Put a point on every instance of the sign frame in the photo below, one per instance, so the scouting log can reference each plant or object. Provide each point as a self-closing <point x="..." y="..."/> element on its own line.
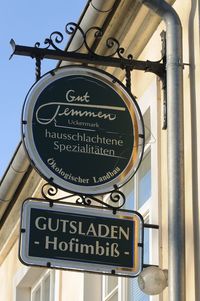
<point x="53" y="173"/>
<point x="82" y="265"/>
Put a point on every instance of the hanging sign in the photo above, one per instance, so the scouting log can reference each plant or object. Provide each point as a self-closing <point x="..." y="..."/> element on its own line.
<point x="69" y="237"/>
<point x="82" y="130"/>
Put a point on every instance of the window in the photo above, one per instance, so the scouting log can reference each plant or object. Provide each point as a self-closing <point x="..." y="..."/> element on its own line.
<point x="144" y="180"/>
<point x="43" y="290"/>
<point x="141" y="195"/>
<point x="138" y="190"/>
<point x="142" y="190"/>
<point x="133" y="291"/>
<point x="110" y="288"/>
<point x="36" y="284"/>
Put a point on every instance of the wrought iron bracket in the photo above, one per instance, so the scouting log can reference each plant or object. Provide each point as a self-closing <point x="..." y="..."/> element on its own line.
<point x="33" y="52"/>
<point x="114" y="58"/>
<point x="114" y="200"/>
<point x="151" y="226"/>
<point x="164" y="81"/>
<point x="37" y="68"/>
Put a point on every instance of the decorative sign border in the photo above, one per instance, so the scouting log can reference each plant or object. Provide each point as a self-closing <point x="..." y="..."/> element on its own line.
<point x="113" y="244"/>
<point x="115" y="147"/>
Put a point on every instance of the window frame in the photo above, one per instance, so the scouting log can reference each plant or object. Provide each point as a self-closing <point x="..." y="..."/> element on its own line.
<point x="117" y="289"/>
<point x="150" y="209"/>
<point x="41" y="283"/>
<point x="27" y="278"/>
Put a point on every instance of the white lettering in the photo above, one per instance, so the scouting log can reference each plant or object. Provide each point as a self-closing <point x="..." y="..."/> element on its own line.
<point x="48" y="243"/>
<point x="103" y="230"/>
<point x="78" y="98"/>
<point x="58" y="110"/>
<point x="53" y="225"/>
<point x="40" y="226"/>
<point x="73" y="227"/>
<point x="91" y="230"/>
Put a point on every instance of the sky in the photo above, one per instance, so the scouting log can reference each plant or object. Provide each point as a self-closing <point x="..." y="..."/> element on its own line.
<point x="27" y="22"/>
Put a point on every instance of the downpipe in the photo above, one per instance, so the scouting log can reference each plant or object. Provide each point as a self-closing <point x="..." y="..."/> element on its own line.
<point x="176" y="202"/>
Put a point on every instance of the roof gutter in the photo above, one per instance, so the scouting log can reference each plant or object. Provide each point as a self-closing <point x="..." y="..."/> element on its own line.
<point x="176" y="210"/>
<point x="13" y="176"/>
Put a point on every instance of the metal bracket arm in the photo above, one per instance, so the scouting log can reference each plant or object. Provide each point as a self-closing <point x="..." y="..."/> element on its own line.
<point x="35" y="52"/>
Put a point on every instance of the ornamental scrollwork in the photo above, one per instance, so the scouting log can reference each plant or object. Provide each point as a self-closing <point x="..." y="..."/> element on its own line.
<point x="111" y="44"/>
<point x="114" y="200"/>
<point x="55" y="37"/>
<point x="49" y="191"/>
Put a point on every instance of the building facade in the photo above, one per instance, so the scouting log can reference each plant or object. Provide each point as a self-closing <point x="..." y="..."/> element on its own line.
<point x="139" y="31"/>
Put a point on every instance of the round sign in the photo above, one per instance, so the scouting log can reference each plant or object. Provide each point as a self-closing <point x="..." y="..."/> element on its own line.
<point x="82" y="130"/>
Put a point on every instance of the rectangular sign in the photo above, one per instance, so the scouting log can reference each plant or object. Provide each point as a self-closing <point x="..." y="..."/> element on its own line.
<point x="84" y="239"/>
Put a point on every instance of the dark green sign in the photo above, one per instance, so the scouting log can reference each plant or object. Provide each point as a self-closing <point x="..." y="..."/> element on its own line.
<point x="83" y="130"/>
<point x="67" y="237"/>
